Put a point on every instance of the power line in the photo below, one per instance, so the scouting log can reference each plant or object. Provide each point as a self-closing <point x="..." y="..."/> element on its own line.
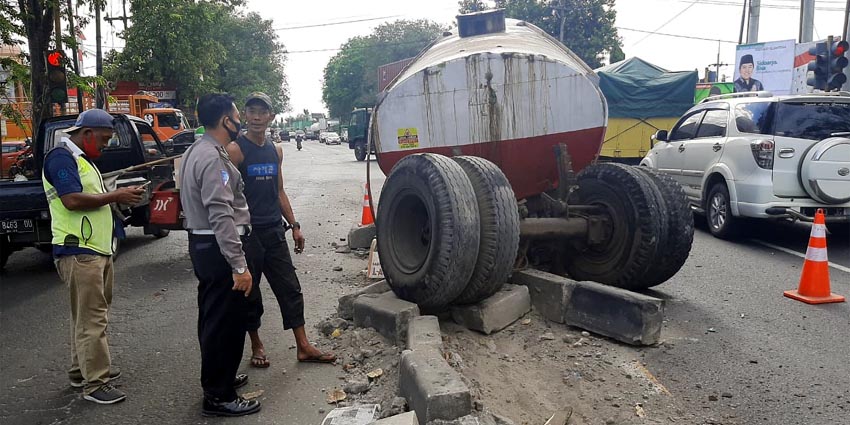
<point x="665" y="23"/>
<point x="336" y="23"/>
<point x="678" y="35"/>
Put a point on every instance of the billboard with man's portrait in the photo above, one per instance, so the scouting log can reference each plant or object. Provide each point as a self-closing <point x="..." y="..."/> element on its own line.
<point x="764" y="66"/>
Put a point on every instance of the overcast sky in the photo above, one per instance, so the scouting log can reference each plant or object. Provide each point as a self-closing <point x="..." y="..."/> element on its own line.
<point x="314" y="43"/>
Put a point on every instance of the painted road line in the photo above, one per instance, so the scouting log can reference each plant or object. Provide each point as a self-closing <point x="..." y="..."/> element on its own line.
<point x="798" y="254"/>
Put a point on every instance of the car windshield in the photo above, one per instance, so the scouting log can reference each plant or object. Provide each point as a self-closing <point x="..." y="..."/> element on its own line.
<point x="811" y="120"/>
<point x="169" y="120"/>
<point x="332" y="134"/>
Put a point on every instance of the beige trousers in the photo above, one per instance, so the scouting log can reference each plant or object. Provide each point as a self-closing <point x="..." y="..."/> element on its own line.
<point x="89" y="279"/>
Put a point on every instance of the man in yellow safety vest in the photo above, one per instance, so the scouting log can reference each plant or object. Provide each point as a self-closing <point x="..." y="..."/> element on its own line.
<point x="82" y="227"/>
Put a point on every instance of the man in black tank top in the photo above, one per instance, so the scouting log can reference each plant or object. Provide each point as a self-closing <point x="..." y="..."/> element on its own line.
<point x="267" y="251"/>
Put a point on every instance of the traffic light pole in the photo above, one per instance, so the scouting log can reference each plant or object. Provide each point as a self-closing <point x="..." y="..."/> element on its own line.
<point x="75" y="52"/>
<point x="57" y="21"/>
<point x="99" y="55"/>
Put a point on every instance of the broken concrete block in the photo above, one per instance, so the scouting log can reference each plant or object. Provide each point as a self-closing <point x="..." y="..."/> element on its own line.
<point x="345" y="307"/>
<point x="408" y="418"/>
<point x="432" y="388"/>
<point x="387" y="314"/>
<point x="614" y="312"/>
<point x="496" y="312"/>
<point x="424" y="333"/>
<point x="549" y="292"/>
<point x="361" y="237"/>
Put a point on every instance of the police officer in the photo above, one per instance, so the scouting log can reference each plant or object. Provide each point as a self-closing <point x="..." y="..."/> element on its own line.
<point x="218" y="222"/>
<point x="82" y="227"/>
<point x="268" y="254"/>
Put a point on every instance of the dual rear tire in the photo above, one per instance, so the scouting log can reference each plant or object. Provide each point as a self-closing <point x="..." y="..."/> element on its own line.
<point x="448" y="229"/>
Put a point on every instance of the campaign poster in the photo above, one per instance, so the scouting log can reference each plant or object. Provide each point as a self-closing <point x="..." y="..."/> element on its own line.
<point x="765" y="66"/>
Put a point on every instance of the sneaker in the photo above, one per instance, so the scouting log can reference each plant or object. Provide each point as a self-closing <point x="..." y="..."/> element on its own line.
<point x="237" y="407"/>
<point x="77" y="380"/>
<point x="240" y="381"/>
<point x="106" y="394"/>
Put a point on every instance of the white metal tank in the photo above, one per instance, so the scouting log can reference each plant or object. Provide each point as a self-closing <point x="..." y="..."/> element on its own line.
<point x="510" y="95"/>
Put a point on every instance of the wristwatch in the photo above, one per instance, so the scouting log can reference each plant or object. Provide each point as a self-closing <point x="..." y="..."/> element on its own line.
<point x="294" y="225"/>
<point x="240" y="270"/>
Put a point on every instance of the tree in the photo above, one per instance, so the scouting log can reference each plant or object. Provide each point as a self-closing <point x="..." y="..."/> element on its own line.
<point x="351" y="77"/>
<point x="589" y="29"/>
<point x="207" y="47"/>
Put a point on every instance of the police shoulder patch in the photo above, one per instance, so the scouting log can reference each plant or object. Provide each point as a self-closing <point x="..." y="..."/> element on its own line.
<point x="225" y="177"/>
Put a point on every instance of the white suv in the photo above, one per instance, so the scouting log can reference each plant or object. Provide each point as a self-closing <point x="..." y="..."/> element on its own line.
<point x="762" y="156"/>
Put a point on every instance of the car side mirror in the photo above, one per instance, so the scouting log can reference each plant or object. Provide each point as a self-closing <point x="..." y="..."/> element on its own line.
<point x="661" y="136"/>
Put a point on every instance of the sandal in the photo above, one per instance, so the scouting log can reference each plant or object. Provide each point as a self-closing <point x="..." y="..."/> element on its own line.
<point x="260" y="362"/>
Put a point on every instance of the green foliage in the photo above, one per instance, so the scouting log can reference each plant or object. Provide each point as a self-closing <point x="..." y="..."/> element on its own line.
<point x="351" y="76"/>
<point x="201" y="47"/>
<point x="589" y="25"/>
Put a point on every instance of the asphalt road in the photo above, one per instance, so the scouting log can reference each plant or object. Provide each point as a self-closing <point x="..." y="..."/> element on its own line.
<point x="729" y="329"/>
<point x="152" y="333"/>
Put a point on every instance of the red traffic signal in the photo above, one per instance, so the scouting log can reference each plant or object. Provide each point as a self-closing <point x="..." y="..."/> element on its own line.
<point x="57" y="80"/>
<point x="54" y="58"/>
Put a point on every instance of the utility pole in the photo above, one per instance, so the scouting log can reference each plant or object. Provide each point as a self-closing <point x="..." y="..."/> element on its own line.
<point x="123" y="18"/>
<point x="99" y="93"/>
<point x="717" y="64"/>
<point x="847" y="37"/>
<point x="807" y="20"/>
<point x="57" y="22"/>
<point x="75" y="52"/>
<point x="753" y="29"/>
<point x="743" y="19"/>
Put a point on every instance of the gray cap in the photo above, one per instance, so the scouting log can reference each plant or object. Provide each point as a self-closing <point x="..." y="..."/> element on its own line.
<point x="260" y="96"/>
<point x="92" y="118"/>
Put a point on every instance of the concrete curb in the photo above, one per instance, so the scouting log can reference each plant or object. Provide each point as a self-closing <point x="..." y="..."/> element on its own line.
<point x="496" y="312"/>
<point x="432" y="388"/>
<point x="345" y="306"/>
<point x="387" y="314"/>
<point x="613" y="312"/>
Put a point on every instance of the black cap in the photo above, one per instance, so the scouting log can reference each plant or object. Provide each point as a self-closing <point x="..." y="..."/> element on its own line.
<point x="745" y="60"/>
<point x="261" y="97"/>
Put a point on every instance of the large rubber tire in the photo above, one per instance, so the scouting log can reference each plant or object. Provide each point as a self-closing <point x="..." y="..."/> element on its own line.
<point x="676" y="247"/>
<point x="839" y="230"/>
<point x="718" y="213"/>
<point x="428" y="230"/>
<point x="636" y="224"/>
<point x="5" y="252"/>
<point x="360" y="151"/>
<point x="499" y="217"/>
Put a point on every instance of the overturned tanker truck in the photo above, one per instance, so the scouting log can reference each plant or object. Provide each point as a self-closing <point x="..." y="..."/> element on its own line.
<point x="489" y="140"/>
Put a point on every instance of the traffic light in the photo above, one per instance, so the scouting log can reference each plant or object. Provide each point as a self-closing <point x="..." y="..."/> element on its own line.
<point x="819" y="66"/>
<point x="837" y="62"/>
<point x="57" y="80"/>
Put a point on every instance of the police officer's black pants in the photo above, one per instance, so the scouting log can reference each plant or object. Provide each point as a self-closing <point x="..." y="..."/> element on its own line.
<point x="222" y="318"/>
<point x="268" y="254"/>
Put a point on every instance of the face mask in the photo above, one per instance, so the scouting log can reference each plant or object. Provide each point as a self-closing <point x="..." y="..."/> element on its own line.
<point x="234" y="133"/>
<point x="90" y="147"/>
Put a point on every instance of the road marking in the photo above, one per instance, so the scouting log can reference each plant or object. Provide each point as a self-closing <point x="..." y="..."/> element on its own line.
<point x="798" y="254"/>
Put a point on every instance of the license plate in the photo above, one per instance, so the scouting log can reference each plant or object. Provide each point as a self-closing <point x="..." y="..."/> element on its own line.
<point x="17" y="226"/>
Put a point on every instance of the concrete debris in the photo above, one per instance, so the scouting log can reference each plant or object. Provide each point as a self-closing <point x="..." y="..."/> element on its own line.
<point x="548" y="336"/>
<point x="397" y="407"/>
<point x="327" y="327"/>
<point x="356" y="387"/>
<point x="361" y="237"/>
<point x="408" y="418"/>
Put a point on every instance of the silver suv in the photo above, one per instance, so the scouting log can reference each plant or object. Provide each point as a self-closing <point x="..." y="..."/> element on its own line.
<point x="762" y="156"/>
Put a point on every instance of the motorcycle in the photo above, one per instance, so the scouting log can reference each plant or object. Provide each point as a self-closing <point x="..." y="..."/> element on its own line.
<point x="298" y="144"/>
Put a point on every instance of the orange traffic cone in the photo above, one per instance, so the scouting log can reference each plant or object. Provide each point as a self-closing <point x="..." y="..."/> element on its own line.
<point x="814" y="282"/>
<point x="366" y="218"/>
